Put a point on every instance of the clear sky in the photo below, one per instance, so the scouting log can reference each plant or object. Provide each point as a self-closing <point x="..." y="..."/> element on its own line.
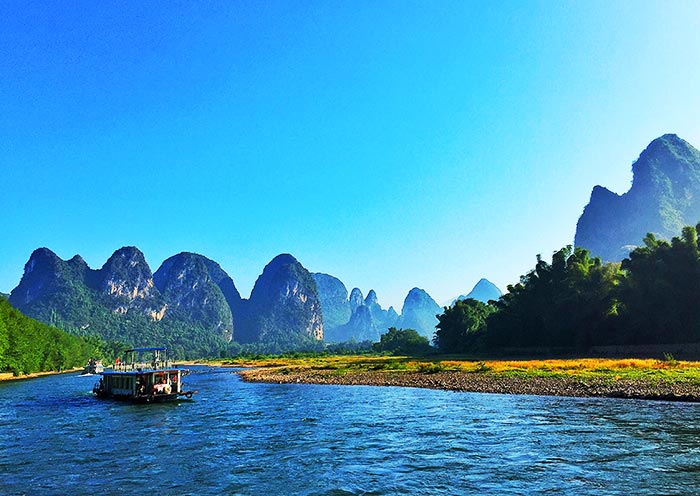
<point x="390" y="144"/>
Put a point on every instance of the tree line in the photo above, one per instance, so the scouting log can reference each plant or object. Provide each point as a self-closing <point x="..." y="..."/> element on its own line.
<point x="577" y="301"/>
<point x="574" y="302"/>
<point x="27" y="345"/>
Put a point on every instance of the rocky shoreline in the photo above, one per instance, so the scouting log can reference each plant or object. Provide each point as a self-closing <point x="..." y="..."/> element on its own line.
<point x="487" y="383"/>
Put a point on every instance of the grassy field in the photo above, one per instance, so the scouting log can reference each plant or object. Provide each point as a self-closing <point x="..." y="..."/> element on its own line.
<point x="664" y="371"/>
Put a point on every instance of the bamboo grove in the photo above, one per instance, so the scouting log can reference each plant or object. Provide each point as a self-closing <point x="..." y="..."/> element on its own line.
<point x="577" y="301"/>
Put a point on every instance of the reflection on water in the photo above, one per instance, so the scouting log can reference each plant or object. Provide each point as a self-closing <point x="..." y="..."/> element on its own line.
<point x="238" y="438"/>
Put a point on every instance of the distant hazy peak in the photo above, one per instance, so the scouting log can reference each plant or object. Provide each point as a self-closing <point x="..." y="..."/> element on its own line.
<point x="281" y="259"/>
<point x="671" y="143"/>
<point x="371" y="298"/>
<point x="601" y="192"/>
<point x="356" y="299"/>
<point x="419" y="312"/>
<point x="417" y="293"/>
<point x="329" y="284"/>
<point x="664" y="196"/>
<point x="415" y="298"/>
<point x="485" y="291"/>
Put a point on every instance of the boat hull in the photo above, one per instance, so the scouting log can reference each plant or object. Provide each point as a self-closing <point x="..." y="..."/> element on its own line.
<point x="148" y="398"/>
<point x="154" y="381"/>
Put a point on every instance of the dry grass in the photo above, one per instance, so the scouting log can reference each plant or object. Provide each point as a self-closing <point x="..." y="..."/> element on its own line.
<point x="614" y="369"/>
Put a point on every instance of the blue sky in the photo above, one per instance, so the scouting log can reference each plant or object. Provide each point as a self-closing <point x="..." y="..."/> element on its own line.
<point x="391" y="144"/>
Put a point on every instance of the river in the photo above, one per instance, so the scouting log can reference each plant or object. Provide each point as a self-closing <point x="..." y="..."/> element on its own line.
<point x="265" y="439"/>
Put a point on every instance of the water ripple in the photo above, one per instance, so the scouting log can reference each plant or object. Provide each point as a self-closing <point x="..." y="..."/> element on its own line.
<point x="239" y="438"/>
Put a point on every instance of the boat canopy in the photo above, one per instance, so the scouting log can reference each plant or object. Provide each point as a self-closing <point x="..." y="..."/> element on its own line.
<point x="151" y="358"/>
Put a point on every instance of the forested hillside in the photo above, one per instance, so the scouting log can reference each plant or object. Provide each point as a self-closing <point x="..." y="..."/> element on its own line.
<point x="27" y="345"/>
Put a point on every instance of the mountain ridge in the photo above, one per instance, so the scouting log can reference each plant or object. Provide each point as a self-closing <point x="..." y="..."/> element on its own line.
<point x="664" y="196"/>
<point x="484" y="291"/>
<point x="190" y="297"/>
<point x="419" y="312"/>
<point x="284" y="293"/>
<point x="189" y="304"/>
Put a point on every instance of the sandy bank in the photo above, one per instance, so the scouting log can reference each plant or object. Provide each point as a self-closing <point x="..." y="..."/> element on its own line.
<point x="7" y="376"/>
<point x="487" y="383"/>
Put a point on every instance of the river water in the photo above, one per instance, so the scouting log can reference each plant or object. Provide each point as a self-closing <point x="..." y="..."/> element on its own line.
<point x="262" y="439"/>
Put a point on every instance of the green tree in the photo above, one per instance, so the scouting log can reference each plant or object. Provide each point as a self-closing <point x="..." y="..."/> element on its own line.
<point x="567" y="303"/>
<point x="402" y="342"/>
<point x="660" y="292"/>
<point x="461" y="326"/>
<point x="27" y="345"/>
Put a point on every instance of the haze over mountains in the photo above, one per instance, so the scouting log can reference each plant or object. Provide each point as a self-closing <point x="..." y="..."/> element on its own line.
<point x="484" y="291"/>
<point x="664" y="197"/>
<point x="362" y="318"/>
<point x="191" y="303"/>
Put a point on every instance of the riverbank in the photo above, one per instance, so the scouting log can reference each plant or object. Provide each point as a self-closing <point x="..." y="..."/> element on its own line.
<point x="638" y="379"/>
<point x="9" y="376"/>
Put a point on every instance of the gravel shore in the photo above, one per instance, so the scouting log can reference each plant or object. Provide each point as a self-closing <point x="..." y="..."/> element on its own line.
<point x="487" y="383"/>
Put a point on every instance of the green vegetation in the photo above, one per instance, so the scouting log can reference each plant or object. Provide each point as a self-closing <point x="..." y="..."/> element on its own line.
<point x="461" y="326"/>
<point x="184" y="339"/>
<point x="313" y="349"/>
<point x="660" y="291"/>
<point x="85" y="302"/>
<point x="648" y="371"/>
<point x="569" y="305"/>
<point x="340" y="364"/>
<point x="577" y="302"/>
<point x="402" y="342"/>
<point x="27" y="345"/>
<point x="83" y="311"/>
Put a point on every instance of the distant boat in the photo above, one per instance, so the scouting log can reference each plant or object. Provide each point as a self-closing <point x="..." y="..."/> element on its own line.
<point x="145" y="376"/>
<point x="93" y="367"/>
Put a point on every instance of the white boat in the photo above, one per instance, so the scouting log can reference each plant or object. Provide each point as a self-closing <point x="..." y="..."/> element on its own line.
<point x="93" y="367"/>
<point x="145" y="376"/>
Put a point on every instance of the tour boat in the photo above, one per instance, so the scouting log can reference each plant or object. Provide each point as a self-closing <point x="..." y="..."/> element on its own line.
<point x="93" y="367"/>
<point x="145" y="376"/>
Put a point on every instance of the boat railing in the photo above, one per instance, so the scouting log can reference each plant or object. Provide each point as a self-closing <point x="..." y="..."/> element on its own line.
<point x="153" y="365"/>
